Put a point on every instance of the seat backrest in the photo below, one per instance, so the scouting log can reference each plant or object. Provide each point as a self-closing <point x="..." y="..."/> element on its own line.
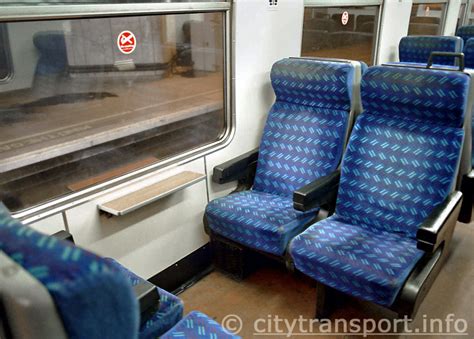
<point x="92" y="298"/>
<point x="469" y="53"/>
<point x="403" y="154"/>
<point x="305" y="130"/>
<point x="465" y="32"/>
<point x="418" y="48"/>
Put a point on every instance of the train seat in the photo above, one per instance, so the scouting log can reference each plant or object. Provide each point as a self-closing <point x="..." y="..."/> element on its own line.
<point x="417" y="49"/>
<point x="198" y="325"/>
<point x="91" y="297"/>
<point x="302" y="141"/>
<point x="465" y="32"/>
<point x="396" y="207"/>
<point x="469" y="53"/>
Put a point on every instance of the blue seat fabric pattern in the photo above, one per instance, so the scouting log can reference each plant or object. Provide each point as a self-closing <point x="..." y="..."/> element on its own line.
<point x="469" y="63"/>
<point x="465" y="32"/>
<point x="302" y="141"/>
<point x="354" y="259"/>
<point x="94" y="300"/>
<point x="417" y="49"/>
<point x="168" y="314"/>
<point x="197" y="325"/>
<point x="400" y="163"/>
<point x="259" y="220"/>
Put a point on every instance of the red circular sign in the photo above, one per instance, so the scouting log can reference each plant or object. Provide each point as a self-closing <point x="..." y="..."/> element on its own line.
<point x="126" y="42"/>
<point x="345" y="18"/>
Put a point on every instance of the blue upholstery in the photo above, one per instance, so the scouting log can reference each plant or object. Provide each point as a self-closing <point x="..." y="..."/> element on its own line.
<point x="198" y="325"/>
<point x="302" y="141"/>
<point x="354" y="259"/>
<point x="53" y="54"/>
<point x="259" y="220"/>
<point x="465" y="32"/>
<point x="168" y="314"/>
<point x="469" y="53"/>
<point x="93" y="299"/>
<point x="304" y="133"/>
<point x="417" y="49"/>
<point x="415" y="94"/>
<point x="401" y="162"/>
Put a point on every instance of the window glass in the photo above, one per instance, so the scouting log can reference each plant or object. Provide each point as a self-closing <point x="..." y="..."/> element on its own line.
<point x="470" y="19"/>
<point x="340" y="32"/>
<point x="98" y="98"/>
<point x="5" y="65"/>
<point x="462" y="13"/>
<point x="426" y="19"/>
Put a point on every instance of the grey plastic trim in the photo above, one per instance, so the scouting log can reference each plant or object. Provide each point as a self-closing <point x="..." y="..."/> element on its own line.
<point x="29" y="308"/>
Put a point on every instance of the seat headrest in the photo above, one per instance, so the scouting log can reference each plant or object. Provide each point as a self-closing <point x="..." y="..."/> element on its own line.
<point x="465" y="32"/>
<point x="418" y="48"/>
<point x="316" y="83"/>
<point x="431" y="96"/>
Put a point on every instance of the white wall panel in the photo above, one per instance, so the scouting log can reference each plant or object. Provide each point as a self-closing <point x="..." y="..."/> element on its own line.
<point x="394" y="26"/>
<point x="452" y="17"/>
<point x="262" y="36"/>
<point x="151" y="238"/>
<point x="49" y="225"/>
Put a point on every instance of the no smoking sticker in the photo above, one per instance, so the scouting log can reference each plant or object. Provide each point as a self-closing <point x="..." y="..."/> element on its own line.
<point x="345" y="18"/>
<point x="126" y="42"/>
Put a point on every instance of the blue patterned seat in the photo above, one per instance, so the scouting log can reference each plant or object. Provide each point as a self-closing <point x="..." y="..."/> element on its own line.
<point x="168" y="314"/>
<point x="417" y="49"/>
<point x="302" y="141"/>
<point x="401" y="162"/>
<point x="198" y="325"/>
<point x="94" y="295"/>
<point x="94" y="300"/>
<point x="465" y="32"/>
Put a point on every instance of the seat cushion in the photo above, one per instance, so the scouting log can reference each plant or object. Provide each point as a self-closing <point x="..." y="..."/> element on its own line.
<point x="94" y="300"/>
<point x="168" y="314"/>
<point x="256" y="219"/>
<point x="354" y="259"/>
<point x="198" y="325"/>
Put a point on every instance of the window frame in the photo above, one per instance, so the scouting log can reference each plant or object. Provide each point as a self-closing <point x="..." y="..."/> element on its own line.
<point x="55" y="12"/>
<point x="9" y="77"/>
<point x="345" y="3"/>
<point x="465" y="15"/>
<point x="444" y="15"/>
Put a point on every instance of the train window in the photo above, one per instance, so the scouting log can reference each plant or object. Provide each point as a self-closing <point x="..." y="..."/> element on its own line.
<point x="102" y="97"/>
<point x="5" y="64"/>
<point x="340" y="32"/>
<point x="427" y="19"/>
<point x="462" y="14"/>
<point x="470" y="16"/>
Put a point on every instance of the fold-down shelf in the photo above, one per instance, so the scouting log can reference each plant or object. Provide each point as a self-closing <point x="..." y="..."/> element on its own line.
<point x="132" y="201"/>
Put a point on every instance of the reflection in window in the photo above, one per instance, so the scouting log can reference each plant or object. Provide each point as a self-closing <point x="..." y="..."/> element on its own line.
<point x="5" y="64"/>
<point x="340" y="32"/>
<point x="90" y="110"/>
<point x="426" y="19"/>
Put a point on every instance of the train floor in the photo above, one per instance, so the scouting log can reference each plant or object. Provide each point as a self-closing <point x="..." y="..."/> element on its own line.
<point x="272" y="293"/>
